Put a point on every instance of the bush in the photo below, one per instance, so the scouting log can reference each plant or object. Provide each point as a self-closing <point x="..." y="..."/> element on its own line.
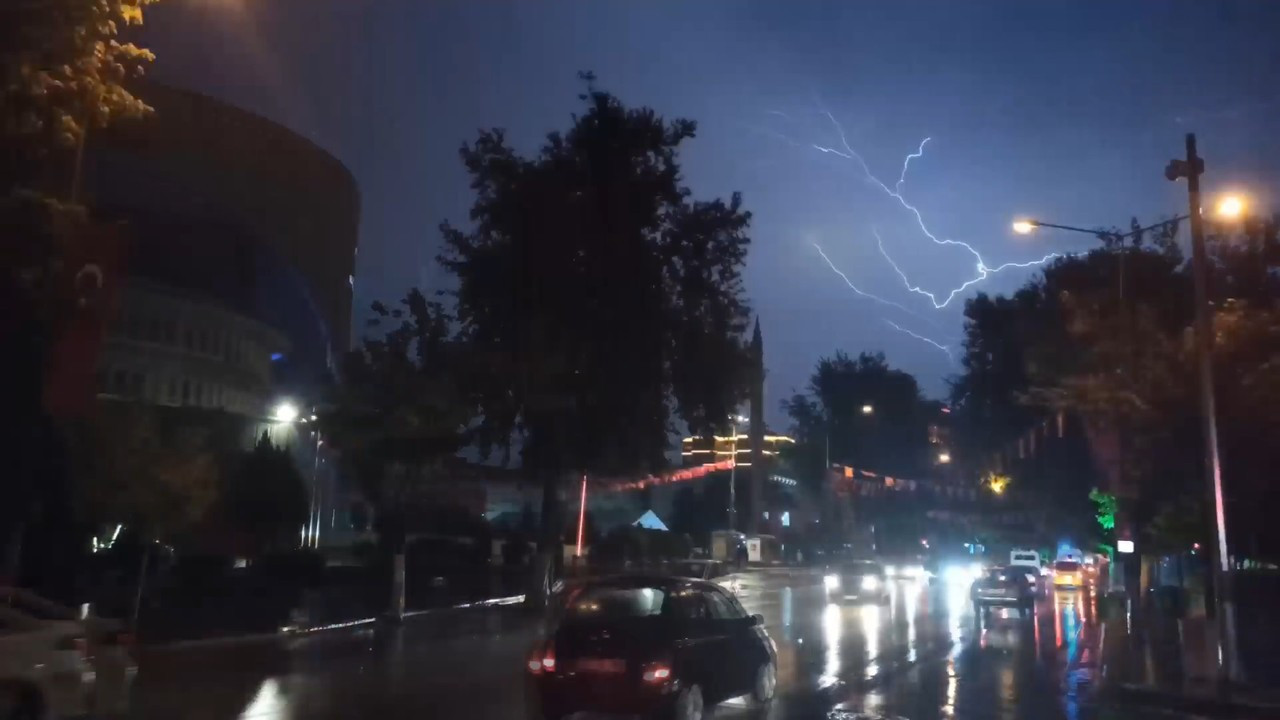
<point x="641" y="545"/>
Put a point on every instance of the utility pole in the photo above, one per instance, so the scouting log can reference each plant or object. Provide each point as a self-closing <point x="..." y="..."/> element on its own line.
<point x="1191" y="168"/>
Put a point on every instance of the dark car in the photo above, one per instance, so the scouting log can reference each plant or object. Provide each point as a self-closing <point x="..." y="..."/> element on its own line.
<point x="857" y="580"/>
<point x="711" y="570"/>
<point x="1003" y="587"/>
<point x="650" y="645"/>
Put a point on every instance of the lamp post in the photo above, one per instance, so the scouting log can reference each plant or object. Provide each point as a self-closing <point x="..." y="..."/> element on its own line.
<point x="287" y="413"/>
<point x="1190" y="168"/>
<point x="1231" y="208"/>
<point x="733" y="471"/>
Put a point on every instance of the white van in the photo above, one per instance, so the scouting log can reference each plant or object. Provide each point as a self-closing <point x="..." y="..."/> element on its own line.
<point x="1025" y="558"/>
<point x="1029" y="562"/>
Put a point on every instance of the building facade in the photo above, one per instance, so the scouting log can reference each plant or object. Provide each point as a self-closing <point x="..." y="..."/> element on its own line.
<point x="240" y="240"/>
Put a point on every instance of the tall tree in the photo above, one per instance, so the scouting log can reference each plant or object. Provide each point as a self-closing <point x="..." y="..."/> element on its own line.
<point x="602" y="298"/>
<point x="401" y="410"/>
<point x="159" y="479"/>
<point x="859" y="411"/>
<point x="264" y="500"/>
<point x="1105" y="337"/>
<point x="62" y="70"/>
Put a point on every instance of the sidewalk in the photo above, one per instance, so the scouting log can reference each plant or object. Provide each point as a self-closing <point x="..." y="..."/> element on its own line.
<point x="1169" y="663"/>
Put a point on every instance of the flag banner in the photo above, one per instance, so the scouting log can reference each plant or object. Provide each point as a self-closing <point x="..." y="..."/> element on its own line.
<point x="89" y="286"/>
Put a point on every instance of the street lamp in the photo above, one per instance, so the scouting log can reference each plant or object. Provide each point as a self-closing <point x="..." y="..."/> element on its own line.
<point x="1024" y="227"/>
<point x="944" y="457"/>
<point x="1190" y="168"/>
<point x="867" y="409"/>
<point x="1230" y="207"/>
<point x="734" y="420"/>
<point x="285" y="412"/>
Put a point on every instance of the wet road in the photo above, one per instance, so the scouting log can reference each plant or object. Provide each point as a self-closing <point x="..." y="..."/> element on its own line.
<point x="920" y="656"/>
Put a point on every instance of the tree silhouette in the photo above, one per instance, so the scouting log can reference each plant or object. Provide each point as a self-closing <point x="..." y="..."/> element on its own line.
<point x="829" y="418"/>
<point x="601" y="299"/>
<point x="1105" y="338"/>
<point x="401" y="412"/>
<point x="265" y="498"/>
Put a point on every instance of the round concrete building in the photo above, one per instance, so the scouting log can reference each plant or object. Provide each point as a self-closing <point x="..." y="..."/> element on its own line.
<point x="240" y="253"/>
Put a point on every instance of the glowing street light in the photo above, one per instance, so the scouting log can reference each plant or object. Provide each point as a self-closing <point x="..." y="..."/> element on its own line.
<point x="285" y="412"/>
<point x="867" y="409"/>
<point x="1231" y="207"/>
<point x="944" y="458"/>
<point x="1024" y="227"/>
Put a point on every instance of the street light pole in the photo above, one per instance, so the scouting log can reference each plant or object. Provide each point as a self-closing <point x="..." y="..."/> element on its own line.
<point x="1191" y="168"/>
<point x="733" y="477"/>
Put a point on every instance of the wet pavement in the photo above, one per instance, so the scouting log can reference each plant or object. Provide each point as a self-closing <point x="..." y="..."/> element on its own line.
<point x="922" y="655"/>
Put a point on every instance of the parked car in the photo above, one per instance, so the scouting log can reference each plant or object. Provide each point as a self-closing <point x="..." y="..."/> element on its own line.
<point x="56" y="664"/>
<point x="709" y="570"/>
<point x="649" y="645"/>
<point x="862" y="580"/>
<point x="1003" y="587"/>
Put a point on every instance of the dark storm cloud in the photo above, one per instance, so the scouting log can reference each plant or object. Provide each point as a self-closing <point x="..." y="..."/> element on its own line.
<point x="1062" y="110"/>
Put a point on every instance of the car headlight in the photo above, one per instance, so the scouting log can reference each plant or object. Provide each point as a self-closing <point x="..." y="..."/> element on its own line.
<point x="890" y="570"/>
<point x="914" y="571"/>
<point x="831" y="582"/>
<point x="870" y="582"/>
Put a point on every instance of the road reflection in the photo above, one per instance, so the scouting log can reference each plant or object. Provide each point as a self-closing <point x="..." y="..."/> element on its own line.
<point x="923" y="654"/>
<point x="832" y="632"/>
<point x="268" y="702"/>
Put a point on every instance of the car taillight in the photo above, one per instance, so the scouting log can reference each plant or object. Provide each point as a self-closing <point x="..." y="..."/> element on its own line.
<point x="544" y="659"/>
<point x="656" y="672"/>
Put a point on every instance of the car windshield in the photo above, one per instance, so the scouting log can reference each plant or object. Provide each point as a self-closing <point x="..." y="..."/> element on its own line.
<point x="1026" y="558"/>
<point x="1066" y="566"/>
<point x="863" y="568"/>
<point x="611" y="603"/>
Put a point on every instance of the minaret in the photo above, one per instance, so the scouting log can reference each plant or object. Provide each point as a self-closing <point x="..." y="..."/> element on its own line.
<point x="756" y="435"/>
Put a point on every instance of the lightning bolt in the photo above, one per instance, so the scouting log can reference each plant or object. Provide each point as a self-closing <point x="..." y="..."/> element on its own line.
<point x="982" y="270"/>
<point x="932" y="342"/>
<point x="983" y="273"/>
<point x="860" y="291"/>
<point x="906" y="163"/>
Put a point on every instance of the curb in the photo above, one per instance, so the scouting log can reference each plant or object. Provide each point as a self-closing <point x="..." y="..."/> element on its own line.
<point x="310" y="631"/>
<point x="1140" y="695"/>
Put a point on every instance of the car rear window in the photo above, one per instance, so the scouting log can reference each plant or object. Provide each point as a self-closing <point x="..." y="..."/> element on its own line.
<point x="692" y="570"/>
<point x="1026" y="558"/>
<point x="1066" y="566"/>
<point x="610" y="603"/>
<point x="1003" y="576"/>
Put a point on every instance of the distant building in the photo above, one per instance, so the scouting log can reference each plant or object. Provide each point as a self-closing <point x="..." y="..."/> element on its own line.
<point x="705" y="450"/>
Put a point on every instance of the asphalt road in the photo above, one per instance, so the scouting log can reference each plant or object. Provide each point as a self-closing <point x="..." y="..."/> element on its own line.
<point x="920" y="656"/>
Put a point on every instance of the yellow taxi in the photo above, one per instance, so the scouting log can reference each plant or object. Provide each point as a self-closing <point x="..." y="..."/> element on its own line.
<point x="1068" y="574"/>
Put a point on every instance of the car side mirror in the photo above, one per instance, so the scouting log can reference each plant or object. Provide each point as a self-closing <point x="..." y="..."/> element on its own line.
<point x="757" y="620"/>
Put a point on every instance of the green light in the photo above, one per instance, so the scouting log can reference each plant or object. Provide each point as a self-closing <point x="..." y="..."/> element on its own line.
<point x="1105" y="503"/>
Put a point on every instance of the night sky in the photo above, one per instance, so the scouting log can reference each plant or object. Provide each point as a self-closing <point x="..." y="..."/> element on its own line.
<point x="1064" y="111"/>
